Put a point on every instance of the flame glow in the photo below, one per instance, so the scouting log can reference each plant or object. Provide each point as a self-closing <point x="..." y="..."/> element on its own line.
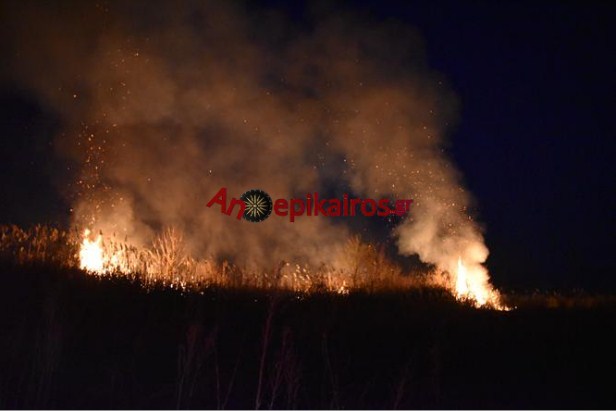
<point x="165" y="264"/>
<point x="91" y="253"/>
<point x="100" y="257"/>
<point x="472" y="285"/>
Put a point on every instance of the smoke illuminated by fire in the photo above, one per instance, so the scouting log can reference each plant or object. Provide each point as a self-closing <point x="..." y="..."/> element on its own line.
<point x="163" y="108"/>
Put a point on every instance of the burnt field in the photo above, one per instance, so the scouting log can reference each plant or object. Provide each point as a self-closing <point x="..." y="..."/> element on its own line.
<point x="70" y="340"/>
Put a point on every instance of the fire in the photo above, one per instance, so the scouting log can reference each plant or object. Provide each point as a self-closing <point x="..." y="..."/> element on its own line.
<point x="165" y="263"/>
<point x="91" y="253"/>
<point x="472" y="285"/>
<point x="461" y="279"/>
<point x="102" y="257"/>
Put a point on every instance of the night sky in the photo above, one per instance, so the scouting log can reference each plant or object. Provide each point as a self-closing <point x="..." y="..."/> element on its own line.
<point x="534" y="142"/>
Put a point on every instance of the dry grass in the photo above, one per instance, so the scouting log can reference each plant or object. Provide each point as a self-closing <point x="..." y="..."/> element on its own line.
<point x="40" y="243"/>
<point x="167" y="263"/>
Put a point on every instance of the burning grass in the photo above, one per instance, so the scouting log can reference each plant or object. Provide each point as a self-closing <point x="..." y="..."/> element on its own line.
<point x="167" y="263"/>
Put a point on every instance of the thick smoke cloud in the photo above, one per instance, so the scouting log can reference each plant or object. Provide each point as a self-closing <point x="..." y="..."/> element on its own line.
<point x="162" y="106"/>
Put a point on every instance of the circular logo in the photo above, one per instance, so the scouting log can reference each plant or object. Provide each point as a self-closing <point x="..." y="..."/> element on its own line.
<point x="258" y="205"/>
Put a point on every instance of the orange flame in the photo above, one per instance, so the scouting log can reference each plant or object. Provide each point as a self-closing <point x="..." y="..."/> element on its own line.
<point x="471" y="281"/>
<point x="91" y="253"/>
<point x="472" y="285"/>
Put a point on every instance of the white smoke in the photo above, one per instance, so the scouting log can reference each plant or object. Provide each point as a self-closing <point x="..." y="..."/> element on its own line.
<point x="164" y="106"/>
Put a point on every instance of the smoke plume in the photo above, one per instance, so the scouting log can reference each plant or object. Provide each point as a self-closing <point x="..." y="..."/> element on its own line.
<point x="161" y="106"/>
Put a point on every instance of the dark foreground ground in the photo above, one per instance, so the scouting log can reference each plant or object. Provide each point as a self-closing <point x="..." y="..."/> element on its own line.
<point x="72" y="341"/>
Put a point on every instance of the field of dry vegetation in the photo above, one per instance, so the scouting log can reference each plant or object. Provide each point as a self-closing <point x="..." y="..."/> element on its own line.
<point x="76" y="340"/>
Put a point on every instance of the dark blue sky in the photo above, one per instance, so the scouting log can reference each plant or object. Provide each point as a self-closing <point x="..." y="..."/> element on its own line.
<point x="535" y="140"/>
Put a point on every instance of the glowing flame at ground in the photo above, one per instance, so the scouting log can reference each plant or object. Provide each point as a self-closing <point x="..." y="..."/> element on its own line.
<point x="166" y="263"/>
<point x="472" y="285"/>
<point x="101" y="257"/>
<point x="91" y="253"/>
